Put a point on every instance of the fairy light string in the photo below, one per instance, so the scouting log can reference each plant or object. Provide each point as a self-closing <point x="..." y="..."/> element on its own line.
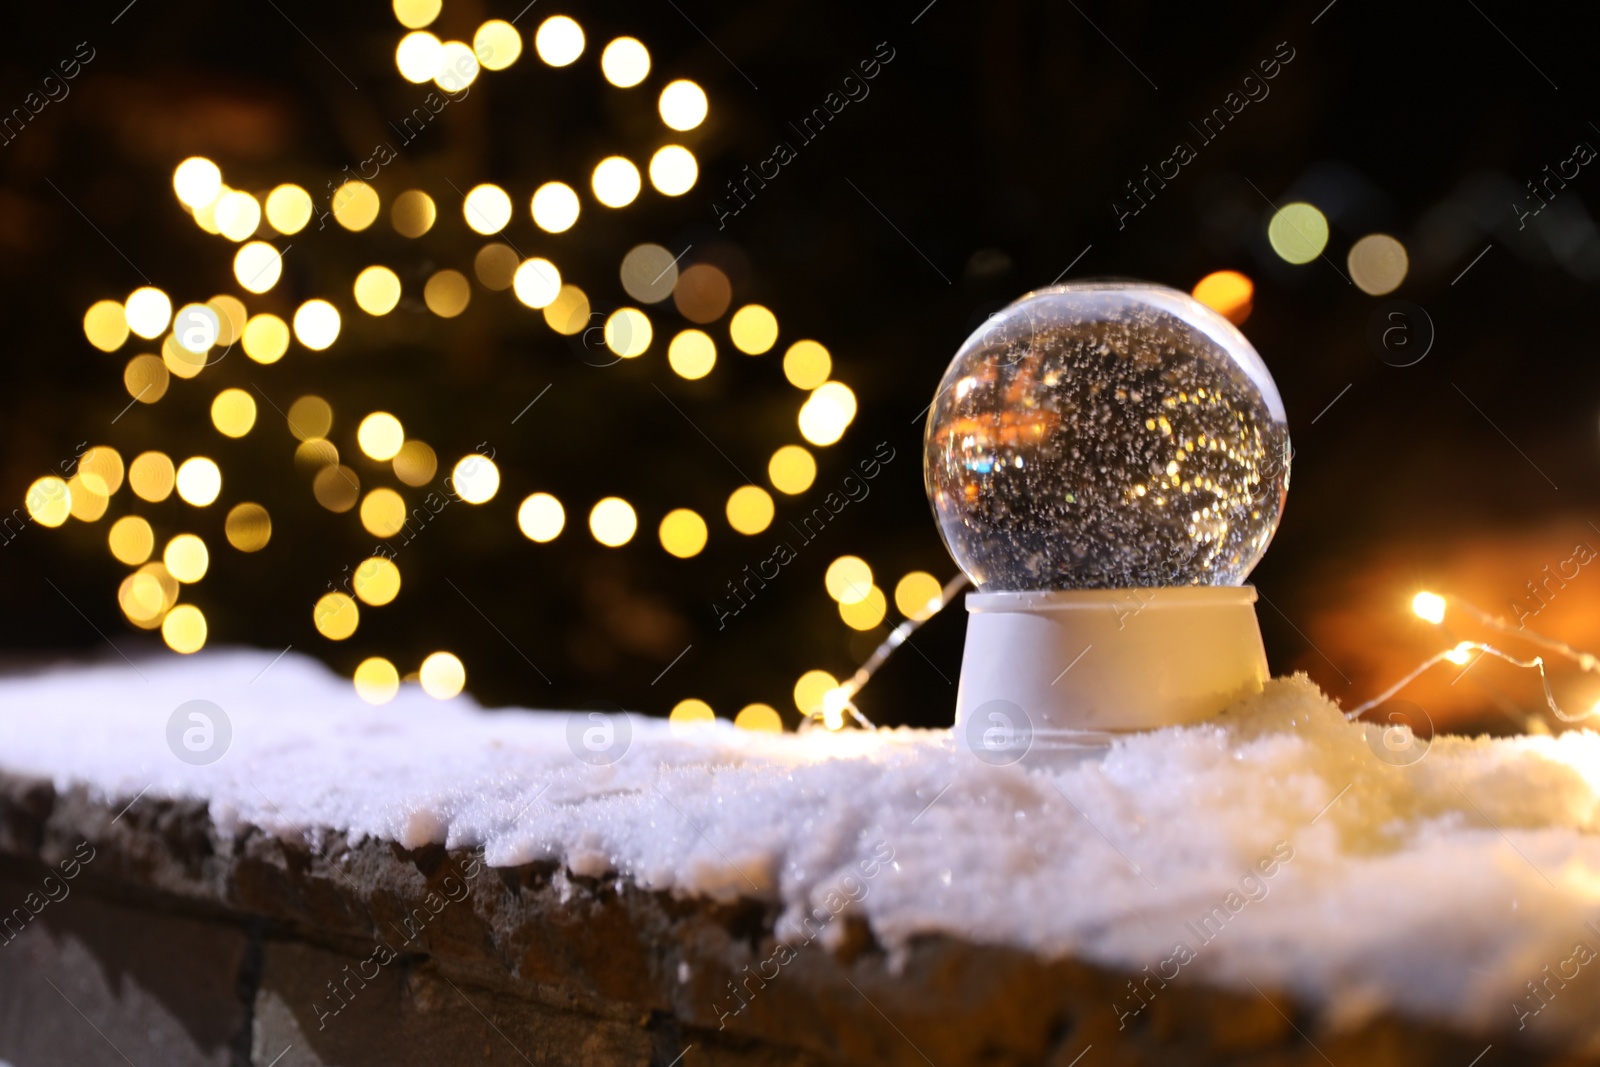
<point x="1432" y="608"/>
<point x="841" y="700"/>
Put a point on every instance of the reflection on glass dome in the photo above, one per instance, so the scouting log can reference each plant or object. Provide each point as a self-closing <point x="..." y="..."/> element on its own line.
<point x="1107" y="435"/>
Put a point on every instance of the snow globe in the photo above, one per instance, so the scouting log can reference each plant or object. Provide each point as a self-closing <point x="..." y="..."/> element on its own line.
<point x="1106" y="461"/>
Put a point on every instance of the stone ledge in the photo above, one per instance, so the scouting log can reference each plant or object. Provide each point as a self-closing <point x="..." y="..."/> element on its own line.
<point x="183" y="947"/>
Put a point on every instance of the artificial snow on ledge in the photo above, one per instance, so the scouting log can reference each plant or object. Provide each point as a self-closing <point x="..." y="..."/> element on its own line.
<point x="1268" y="846"/>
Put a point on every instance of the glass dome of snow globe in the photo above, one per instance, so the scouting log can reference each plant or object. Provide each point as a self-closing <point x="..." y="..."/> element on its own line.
<point x="1106" y="434"/>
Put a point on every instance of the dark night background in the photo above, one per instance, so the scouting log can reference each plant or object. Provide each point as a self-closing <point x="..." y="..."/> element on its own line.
<point x="994" y="142"/>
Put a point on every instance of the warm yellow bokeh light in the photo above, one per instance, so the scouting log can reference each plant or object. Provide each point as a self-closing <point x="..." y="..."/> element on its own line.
<point x="497" y="44"/>
<point x="867" y="612"/>
<point x="336" y="616"/>
<point x="750" y="509"/>
<point x="692" y="354"/>
<point x="541" y="517"/>
<point x="238" y="215"/>
<point x="1228" y="293"/>
<point x="1378" y="264"/>
<point x="559" y="40"/>
<point x="101" y="470"/>
<point x="754" y="329"/>
<point x="1298" y="233"/>
<point x="811" y="688"/>
<point x="683" y="105"/>
<point x="625" y="62"/>
<point x="412" y="214"/>
<point x="848" y="579"/>
<point x="496" y="265"/>
<point x="231" y="317"/>
<point x="146" y="595"/>
<point x="807" y="364"/>
<point x="179" y="361"/>
<point x="555" y="207"/>
<point x="415" y="14"/>
<point x="377" y="290"/>
<point x="106" y="325"/>
<point x="447" y="293"/>
<point x="917" y="594"/>
<point x="690" y="716"/>
<point x="616" y="182"/>
<point x="1460" y="654"/>
<point x="186" y="558"/>
<point x="197" y="181"/>
<point x="442" y="676"/>
<point x="86" y="505"/>
<point x="683" y="533"/>
<point x="417" y="56"/>
<point x="673" y="170"/>
<point x="376" y="680"/>
<point x="316" y="324"/>
<point x="380" y="435"/>
<point x="147" y="311"/>
<point x="476" y="479"/>
<point x="1429" y="606"/>
<point x="568" y="313"/>
<point x="184" y="629"/>
<point x="487" y="209"/>
<point x="248" y="527"/>
<point x="537" y="282"/>
<point x="146" y="378"/>
<point x="131" y="540"/>
<point x="355" y="205"/>
<point x="761" y="718"/>
<point x="791" y="470"/>
<point x="199" y="481"/>
<point x="315" y="453"/>
<point x="288" y="209"/>
<point x="628" y="332"/>
<point x="196" y="328"/>
<point x="415" y="463"/>
<point x="613" y="522"/>
<point x="205" y="217"/>
<point x="310" y="417"/>
<point x="151" y="476"/>
<point x="383" y="512"/>
<point x="458" y="67"/>
<point x="377" y="581"/>
<point x="827" y="413"/>
<point x="266" y="338"/>
<point x="233" y="412"/>
<point x="649" y="273"/>
<point x="336" y="487"/>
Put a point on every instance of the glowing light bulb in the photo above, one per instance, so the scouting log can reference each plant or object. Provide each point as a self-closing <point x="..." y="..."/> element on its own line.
<point x="616" y="182"/>
<point x="683" y="105"/>
<point x="555" y="207"/>
<point x="442" y="676"/>
<point x="625" y="62"/>
<point x="1429" y="606"/>
<point x="559" y="40"/>
<point x="197" y="181"/>
<point x="834" y="703"/>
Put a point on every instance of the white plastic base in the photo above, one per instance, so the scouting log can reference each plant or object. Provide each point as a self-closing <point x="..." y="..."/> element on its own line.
<point x="1049" y="675"/>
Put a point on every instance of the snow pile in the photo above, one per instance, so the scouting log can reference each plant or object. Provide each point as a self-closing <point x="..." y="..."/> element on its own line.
<point x="1269" y="846"/>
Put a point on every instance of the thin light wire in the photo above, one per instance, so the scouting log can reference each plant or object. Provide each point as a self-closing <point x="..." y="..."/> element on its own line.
<point x="1536" y="662"/>
<point x="880" y="655"/>
<point x="1584" y="660"/>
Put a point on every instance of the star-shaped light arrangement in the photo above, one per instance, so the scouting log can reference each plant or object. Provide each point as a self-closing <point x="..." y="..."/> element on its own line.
<point x="166" y="564"/>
